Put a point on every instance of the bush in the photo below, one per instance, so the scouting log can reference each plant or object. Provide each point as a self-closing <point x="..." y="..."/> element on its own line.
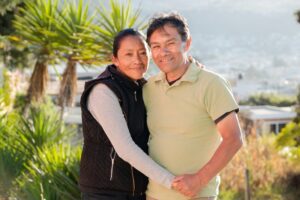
<point x="268" y="172"/>
<point x="269" y="99"/>
<point x="37" y="148"/>
<point x="288" y="141"/>
<point x="53" y="175"/>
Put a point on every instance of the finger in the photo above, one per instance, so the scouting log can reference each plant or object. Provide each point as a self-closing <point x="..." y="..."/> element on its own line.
<point x="178" y="178"/>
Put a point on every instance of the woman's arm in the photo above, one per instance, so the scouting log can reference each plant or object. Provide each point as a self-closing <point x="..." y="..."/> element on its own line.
<point x="105" y="107"/>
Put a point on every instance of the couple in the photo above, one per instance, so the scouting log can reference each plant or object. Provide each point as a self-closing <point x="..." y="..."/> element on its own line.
<point x="191" y="127"/>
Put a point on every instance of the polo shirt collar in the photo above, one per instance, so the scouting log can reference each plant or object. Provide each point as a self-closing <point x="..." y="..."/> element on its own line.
<point x="189" y="76"/>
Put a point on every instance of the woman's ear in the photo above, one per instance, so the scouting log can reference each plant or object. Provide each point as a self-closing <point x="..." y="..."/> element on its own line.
<point x="115" y="60"/>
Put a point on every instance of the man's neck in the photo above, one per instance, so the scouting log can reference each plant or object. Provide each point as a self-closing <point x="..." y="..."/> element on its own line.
<point x="176" y="75"/>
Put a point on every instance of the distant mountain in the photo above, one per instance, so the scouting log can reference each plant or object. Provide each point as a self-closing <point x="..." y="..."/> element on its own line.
<point x="233" y="37"/>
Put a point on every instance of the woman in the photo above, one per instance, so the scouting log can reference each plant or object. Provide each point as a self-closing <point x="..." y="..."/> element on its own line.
<point x="114" y="127"/>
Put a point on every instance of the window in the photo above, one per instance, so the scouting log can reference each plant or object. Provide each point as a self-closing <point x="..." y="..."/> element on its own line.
<point x="276" y="128"/>
<point x="273" y="128"/>
<point x="281" y="126"/>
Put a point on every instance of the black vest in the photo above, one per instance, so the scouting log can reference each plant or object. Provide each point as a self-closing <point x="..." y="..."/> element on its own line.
<point x="97" y="173"/>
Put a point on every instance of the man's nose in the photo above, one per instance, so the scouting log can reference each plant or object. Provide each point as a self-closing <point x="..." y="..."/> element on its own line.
<point x="164" y="50"/>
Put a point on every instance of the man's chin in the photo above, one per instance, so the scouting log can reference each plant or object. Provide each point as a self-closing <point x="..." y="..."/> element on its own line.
<point x="165" y="69"/>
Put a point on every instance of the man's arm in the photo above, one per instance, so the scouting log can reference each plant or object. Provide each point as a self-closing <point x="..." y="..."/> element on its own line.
<point x="229" y="128"/>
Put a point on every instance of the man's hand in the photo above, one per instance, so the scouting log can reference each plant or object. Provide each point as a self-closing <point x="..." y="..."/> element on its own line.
<point x="187" y="184"/>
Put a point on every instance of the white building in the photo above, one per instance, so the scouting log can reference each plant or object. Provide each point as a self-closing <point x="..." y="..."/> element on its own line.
<point x="265" y="119"/>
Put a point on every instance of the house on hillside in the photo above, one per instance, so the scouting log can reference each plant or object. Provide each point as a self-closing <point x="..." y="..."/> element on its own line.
<point x="265" y="119"/>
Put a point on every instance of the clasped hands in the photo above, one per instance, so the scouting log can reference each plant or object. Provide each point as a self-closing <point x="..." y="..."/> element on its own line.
<point x="187" y="184"/>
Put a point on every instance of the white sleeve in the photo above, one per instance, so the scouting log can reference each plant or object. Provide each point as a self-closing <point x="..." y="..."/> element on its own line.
<point x="105" y="108"/>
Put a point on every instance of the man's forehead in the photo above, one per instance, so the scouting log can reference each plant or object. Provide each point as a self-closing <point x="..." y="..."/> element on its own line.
<point x="166" y="31"/>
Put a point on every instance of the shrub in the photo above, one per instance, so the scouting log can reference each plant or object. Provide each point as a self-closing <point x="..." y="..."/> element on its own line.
<point x="53" y="175"/>
<point x="288" y="141"/>
<point x="24" y="139"/>
<point x="268" y="171"/>
<point x="269" y="99"/>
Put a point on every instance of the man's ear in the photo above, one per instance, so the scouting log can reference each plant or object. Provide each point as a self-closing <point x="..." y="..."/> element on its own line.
<point x="188" y="44"/>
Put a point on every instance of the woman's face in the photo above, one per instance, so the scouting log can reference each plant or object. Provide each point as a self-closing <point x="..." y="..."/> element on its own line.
<point x="132" y="57"/>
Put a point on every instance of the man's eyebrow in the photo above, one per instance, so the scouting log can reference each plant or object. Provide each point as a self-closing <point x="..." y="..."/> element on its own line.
<point x="153" y="43"/>
<point x="169" y="40"/>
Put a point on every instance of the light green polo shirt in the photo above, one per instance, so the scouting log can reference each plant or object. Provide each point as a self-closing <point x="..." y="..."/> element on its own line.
<point x="183" y="134"/>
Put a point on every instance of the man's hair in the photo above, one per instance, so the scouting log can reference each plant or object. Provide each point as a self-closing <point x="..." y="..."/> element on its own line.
<point x="123" y="34"/>
<point x="173" y="19"/>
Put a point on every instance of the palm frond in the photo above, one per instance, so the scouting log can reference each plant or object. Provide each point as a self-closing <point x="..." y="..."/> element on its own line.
<point x="113" y="20"/>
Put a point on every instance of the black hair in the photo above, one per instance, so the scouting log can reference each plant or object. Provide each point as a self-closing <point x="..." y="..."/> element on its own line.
<point x="121" y="35"/>
<point x="173" y="19"/>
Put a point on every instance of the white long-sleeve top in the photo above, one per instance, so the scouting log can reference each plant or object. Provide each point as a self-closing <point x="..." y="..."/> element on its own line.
<point x="105" y="108"/>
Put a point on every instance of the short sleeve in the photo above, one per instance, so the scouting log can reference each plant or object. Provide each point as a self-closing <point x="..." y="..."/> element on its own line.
<point x="219" y="99"/>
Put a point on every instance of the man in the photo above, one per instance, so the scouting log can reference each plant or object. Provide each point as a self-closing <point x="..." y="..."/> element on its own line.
<point x="191" y="115"/>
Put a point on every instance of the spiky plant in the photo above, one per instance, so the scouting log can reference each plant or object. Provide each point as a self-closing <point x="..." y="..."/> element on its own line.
<point x="74" y="21"/>
<point x="54" y="175"/>
<point x="22" y="137"/>
<point x="111" y="21"/>
<point x="35" y="24"/>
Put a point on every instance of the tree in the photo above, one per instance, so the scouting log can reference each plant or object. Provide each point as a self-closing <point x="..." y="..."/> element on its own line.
<point x="298" y="16"/>
<point x="269" y="99"/>
<point x="87" y="43"/>
<point x="70" y="34"/>
<point x="35" y="25"/>
<point x="113" y="20"/>
<point x="297" y="108"/>
<point x="72" y="27"/>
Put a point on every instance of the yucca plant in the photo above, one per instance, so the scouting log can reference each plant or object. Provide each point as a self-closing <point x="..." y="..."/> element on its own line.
<point x="87" y="43"/>
<point x="42" y="128"/>
<point x="111" y="21"/>
<point x="11" y="161"/>
<point x="53" y="175"/>
<point x="35" y="24"/>
<point x="74" y="22"/>
<point x="22" y="138"/>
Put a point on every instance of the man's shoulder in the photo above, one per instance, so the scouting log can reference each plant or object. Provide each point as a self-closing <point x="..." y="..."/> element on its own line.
<point x="209" y="75"/>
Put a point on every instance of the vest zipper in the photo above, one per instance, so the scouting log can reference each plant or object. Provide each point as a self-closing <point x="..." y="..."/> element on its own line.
<point x="135" y="98"/>
<point x="133" y="181"/>
<point x="112" y="157"/>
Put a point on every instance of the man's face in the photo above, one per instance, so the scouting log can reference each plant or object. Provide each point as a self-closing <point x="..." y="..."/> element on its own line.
<point x="168" y="49"/>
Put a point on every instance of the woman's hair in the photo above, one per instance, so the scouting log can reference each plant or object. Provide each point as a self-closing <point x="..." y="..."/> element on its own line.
<point x="123" y="34"/>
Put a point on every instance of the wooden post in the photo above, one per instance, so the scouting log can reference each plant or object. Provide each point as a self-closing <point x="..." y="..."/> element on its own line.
<point x="247" y="185"/>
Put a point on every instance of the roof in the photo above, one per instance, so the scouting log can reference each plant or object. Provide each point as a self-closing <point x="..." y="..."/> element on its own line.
<point x="267" y="112"/>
